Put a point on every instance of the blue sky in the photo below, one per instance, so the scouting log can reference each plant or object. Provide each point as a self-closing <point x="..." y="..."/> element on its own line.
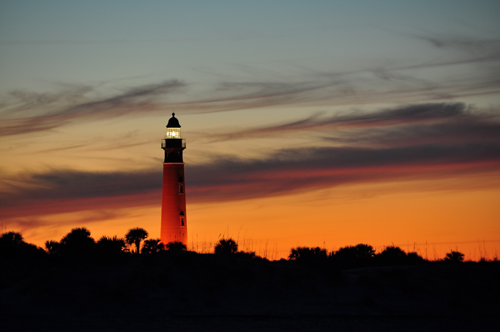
<point x="54" y="42"/>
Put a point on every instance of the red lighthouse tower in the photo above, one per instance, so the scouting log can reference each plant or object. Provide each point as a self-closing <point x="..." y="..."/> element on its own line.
<point x="173" y="200"/>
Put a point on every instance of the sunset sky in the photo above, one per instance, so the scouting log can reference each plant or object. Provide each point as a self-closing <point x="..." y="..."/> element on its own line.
<point x="308" y="123"/>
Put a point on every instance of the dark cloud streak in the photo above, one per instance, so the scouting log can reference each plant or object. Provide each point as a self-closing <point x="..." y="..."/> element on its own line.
<point x="286" y="172"/>
<point x="452" y="114"/>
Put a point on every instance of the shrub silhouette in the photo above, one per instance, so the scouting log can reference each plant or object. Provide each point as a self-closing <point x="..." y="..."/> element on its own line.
<point x="176" y="246"/>
<point x="110" y="245"/>
<point x="77" y="242"/>
<point x="228" y="246"/>
<point x="364" y="251"/>
<point x="246" y="255"/>
<point x="414" y="258"/>
<point x="392" y="255"/>
<point x="308" y="255"/>
<point x="134" y="237"/>
<point x="152" y="246"/>
<point x="360" y="251"/>
<point x="349" y="256"/>
<point x="12" y="246"/>
<point x="454" y="257"/>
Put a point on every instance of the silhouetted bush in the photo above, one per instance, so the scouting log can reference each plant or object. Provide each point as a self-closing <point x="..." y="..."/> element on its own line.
<point x="246" y="255"/>
<point x="392" y="256"/>
<point x="110" y="245"/>
<point x="52" y="247"/>
<point x="13" y="247"/>
<point x="152" y="246"/>
<point x="78" y="242"/>
<point x="135" y="236"/>
<point x="308" y="255"/>
<point x="454" y="257"/>
<point x="110" y="250"/>
<point x="414" y="258"/>
<point x="228" y="246"/>
<point x="357" y="256"/>
<point x="176" y="246"/>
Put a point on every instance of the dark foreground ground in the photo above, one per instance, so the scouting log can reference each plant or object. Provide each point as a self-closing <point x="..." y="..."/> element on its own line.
<point x="191" y="292"/>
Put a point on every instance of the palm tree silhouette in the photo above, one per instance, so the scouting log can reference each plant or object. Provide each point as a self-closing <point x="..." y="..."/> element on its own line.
<point x="454" y="256"/>
<point x="135" y="236"/>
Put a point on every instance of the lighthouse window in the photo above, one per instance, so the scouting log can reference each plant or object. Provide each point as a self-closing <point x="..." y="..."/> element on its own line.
<point x="182" y="218"/>
<point x="181" y="188"/>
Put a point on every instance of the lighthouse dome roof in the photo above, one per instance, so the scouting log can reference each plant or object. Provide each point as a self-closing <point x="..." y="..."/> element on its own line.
<point x="173" y="122"/>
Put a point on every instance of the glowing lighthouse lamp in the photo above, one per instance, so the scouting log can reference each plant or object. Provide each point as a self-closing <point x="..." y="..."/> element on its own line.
<point x="173" y="200"/>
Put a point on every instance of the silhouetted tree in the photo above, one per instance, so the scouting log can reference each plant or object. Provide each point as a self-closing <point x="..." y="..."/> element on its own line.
<point x="228" y="246"/>
<point x="176" y="246"/>
<point x="345" y="254"/>
<point x="360" y="251"/>
<point x="152" y="246"/>
<point x="52" y="247"/>
<point x="135" y="236"/>
<point x="12" y="238"/>
<point x="454" y="256"/>
<point x="77" y="242"/>
<point x="364" y="251"/>
<point x="307" y="255"/>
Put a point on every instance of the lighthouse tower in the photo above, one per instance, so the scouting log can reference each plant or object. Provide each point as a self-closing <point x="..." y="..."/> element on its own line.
<point x="173" y="200"/>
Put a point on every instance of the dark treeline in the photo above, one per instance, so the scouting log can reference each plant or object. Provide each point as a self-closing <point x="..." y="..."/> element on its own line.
<point x="79" y="246"/>
<point x="136" y="283"/>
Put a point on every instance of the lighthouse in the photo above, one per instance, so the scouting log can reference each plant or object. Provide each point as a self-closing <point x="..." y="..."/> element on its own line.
<point x="173" y="198"/>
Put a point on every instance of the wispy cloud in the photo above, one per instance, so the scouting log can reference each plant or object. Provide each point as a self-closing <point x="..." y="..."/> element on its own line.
<point x="24" y="112"/>
<point x="483" y="49"/>
<point x="49" y="111"/>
